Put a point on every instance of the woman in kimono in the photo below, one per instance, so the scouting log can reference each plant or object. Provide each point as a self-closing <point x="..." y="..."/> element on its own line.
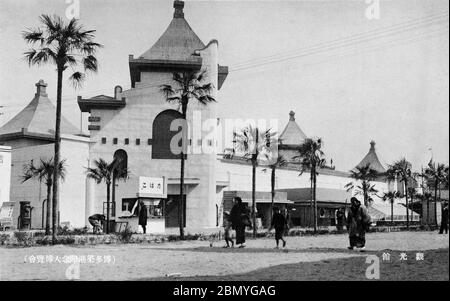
<point x="239" y="220"/>
<point x="358" y="221"/>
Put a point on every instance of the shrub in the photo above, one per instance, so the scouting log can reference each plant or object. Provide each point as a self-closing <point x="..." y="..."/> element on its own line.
<point x="63" y="230"/>
<point x="125" y="235"/>
<point x="4" y="238"/>
<point x="23" y="238"/>
<point x="80" y="231"/>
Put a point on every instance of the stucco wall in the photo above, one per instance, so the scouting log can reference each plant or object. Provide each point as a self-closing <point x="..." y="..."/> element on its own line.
<point x="72" y="190"/>
<point x="135" y="120"/>
<point x="5" y="173"/>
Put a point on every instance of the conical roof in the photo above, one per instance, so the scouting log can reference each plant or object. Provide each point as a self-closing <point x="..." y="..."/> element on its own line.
<point x="372" y="160"/>
<point x="292" y="133"/>
<point x="178" y="42"/>
<point x="38" y="117"/>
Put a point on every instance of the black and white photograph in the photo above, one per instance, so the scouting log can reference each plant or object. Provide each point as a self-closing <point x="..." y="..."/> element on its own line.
<point x="240" y="143"/>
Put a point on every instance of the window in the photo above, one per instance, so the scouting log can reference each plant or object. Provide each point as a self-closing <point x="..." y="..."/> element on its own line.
<point x="104" y="140"/>
<point x="122" y="157"/>
<point x="149" y="141"/>
<point x="127" y="141"/>
<point x="138" y="141"/>
<point x="162" y="135"/>
<point x="114" y="140"/>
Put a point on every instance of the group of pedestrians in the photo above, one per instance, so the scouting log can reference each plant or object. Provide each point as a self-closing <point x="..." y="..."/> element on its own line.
<point x="357" y="222"/>
<point x="239" y="218"/>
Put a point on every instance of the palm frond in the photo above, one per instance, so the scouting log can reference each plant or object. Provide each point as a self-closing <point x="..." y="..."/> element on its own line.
<point x="77" y="79"/>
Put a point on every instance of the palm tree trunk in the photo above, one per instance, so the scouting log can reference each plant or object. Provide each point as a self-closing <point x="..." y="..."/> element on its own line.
<point x="315" y="203"/>
<point x="428" y="210"/>
<point x="181" y="206"/>
<point x="435" y="202"/>
<point x="392" y="212"/>
<point x="311" y="202"/>
<point x="57" y="156"/>
<point x="49" y="208"/>
<point x="273" y="195"/>
<point x="108" y="192"/>
<point x="406" y="201"/>
<point x="254" y="198"/>
<point x="184" y="104"/>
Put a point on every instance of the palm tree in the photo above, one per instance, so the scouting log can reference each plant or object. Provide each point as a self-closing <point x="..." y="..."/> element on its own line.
<point x="437" y="174"/>
<point x="253" y="142"/>
<point x="188" y="86"/>
<point x="391" y="196"/>
<point x="63" y="45"/>
<point x="106" y="172"/>
<point x="44" y="172"/>
<point x="402" y="170"/>
<point x="312" y="158"/>
<point x="274" y="164"/>
<point x="364" y="174"/>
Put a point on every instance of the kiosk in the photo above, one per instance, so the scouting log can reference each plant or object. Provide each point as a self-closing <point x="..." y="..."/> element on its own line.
<point x="153" y="192"/>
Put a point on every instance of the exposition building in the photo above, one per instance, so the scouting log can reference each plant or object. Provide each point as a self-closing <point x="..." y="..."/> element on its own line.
<point x="135" y="126"/>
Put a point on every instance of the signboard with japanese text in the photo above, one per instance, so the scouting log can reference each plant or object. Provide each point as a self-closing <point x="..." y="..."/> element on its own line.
<point x="152" y="187"/>
<point x="6" y="212"/>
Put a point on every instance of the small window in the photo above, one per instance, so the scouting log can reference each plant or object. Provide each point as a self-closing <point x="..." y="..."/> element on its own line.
<point x="149" y="141"/>
<point x="210" y="142"/>
<point x="138" y="141"/>
<point x="114" y="140"/>
<point x="104" y="140"/>
<point x="127" y="141"/>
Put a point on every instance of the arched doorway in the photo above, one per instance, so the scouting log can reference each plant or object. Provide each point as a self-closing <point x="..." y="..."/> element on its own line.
<point x="162" y="135"/>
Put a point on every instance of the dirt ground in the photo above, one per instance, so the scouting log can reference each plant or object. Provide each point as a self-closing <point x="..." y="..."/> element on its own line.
<point x="305" y="258"/>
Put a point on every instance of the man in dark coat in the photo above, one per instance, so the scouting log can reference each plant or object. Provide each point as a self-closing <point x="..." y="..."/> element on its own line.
<point x="239" y="220"/>
<point x="143" y="216"/>
<point x="279" y="223"/>
<point x="358" y="221"/>
<point x="444" y="220"/>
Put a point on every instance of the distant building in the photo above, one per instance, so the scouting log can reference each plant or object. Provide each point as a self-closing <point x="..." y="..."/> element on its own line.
<point x="31" y="136"/>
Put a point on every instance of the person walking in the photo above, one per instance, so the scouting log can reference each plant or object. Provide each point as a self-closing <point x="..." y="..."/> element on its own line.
<point x="340" y="219"/>
<point x="240" y="219"/>
<point x="143" y="216"/>
<point x="444" y="220"/>
<point x="358" y="221"/>
<point x="227" y="229"/>
<point x="279" y="223"/>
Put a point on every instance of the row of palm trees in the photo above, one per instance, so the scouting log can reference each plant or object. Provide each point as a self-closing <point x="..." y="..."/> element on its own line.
<point x="68" y="46"/>
<point x="102" y="172"/>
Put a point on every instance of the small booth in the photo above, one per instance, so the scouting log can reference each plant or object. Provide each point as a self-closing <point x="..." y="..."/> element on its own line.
<point x="152" y="192"/>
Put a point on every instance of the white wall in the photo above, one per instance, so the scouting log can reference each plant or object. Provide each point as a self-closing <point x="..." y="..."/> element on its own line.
<point x="5" y="173"/>
<point x="72" y="190"/>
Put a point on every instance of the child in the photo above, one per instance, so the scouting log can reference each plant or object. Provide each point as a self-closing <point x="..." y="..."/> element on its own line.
<point x="227" y="227"/>
<point x="279" y="223"/>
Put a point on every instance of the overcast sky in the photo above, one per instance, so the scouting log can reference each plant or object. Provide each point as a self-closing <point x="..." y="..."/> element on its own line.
<point x="350" y="79"/>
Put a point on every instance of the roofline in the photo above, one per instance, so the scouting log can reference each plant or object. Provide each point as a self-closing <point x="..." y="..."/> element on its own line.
<point x="290" y="166"/>
<point x="25" y="134"/>
<point x="142" y="64"/>
<point x="86" y="105"/>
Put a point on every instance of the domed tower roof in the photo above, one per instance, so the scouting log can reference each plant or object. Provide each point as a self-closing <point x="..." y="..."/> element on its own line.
<point x="178" y="42"/>
<point x="292" y="133"/>
<point x="372" y="159"/>
<point x="37" y="119"/>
